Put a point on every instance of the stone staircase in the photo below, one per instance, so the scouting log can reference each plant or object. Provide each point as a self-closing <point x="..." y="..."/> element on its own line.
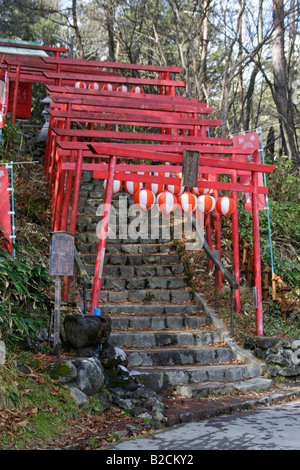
<point x="170" y="336"/>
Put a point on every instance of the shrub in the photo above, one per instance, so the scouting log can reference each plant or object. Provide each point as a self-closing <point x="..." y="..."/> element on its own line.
<point x="24" y="293"/>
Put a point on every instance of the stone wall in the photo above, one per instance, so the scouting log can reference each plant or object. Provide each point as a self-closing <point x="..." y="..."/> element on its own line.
<point x="99" y="371"/>
<point x="281" y="355"/>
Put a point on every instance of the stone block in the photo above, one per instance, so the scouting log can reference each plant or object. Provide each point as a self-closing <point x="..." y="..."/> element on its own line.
<point x="118" y="296"/>
<point x="157" y="283"/>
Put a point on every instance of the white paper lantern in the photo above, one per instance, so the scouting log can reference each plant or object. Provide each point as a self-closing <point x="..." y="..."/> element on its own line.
<point x="166" y="202"/>
<point x="144" y="199"/>
<point x="206" y="203"/>
<point x="117" y="186"/>
<point x="187" y="202"/>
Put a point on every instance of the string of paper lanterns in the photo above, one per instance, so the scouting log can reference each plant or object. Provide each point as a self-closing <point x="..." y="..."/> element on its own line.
<point x="109" y="87"/>
<point x="174" y="196"/>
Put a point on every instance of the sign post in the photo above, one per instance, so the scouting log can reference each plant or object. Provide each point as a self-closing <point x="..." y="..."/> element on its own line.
<point x="62" y="253"/>
<point x="190" y="168"/>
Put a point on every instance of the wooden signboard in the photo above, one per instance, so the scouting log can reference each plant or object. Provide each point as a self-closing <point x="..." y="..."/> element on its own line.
<point x="190" y="168"/>
<point x="61" y="264"/>
<point x="62" y="254"/>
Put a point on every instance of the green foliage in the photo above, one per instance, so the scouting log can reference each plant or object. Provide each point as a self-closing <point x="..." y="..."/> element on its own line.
<point x="24" y="288"/>
<point x="274" y="321"/>
<point x="284" y="212"/>
<point x="9" y="141"/>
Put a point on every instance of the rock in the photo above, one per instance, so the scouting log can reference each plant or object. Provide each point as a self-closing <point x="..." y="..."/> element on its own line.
<point x="280" y="355"/>
<point x="87" y="331"/>
<point x="120" y="434"/>
<point x="23" y="368"/>
<point x="125" y="404"/>
<point x="103" y="401"/>
<point x="144" y="415"/>
<point x="157" y="414"/>
<point x="113" y="360"/>
<point x="80" y="397"/>
<point x="88" y="352"/>
<point x="134" y="428"/>
<point x="42" y="334"/>
<point x="64" y="371"/>
<point x="90" y="376"/>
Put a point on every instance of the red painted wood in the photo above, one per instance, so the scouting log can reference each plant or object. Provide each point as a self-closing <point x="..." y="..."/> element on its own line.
<point x="148" y="137"/>
<point x="235" y="243"/>
<point x="70" y="145"/>
<point x="116" y="65"/>
<point x="121" y="80"/>
<point x="103" y="236"/>
<point x="122" y="100"/>
<point x="29" y="63"/>
<point x="142" y="119"/>
<point x="33" y="46"/>
<point x="256" y="255"/>
<point x="160" y="168"/>
<point x="102" y="173"/>
<point x="15" y="99"/>
<point x="68" y="90"/>
<point x="67" y="195"/>
<point x="236" y="165"/>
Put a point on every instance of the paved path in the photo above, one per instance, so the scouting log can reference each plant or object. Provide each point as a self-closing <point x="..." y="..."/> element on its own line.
<point x="269" y="428"/>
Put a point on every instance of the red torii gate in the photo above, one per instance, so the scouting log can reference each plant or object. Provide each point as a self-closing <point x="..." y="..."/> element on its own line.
<point x="111" y="173"/>
<point x="168" y="150"/>
<point x="24" y="68"/>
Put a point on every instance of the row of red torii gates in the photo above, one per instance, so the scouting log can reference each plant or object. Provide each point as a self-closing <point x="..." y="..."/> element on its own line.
<point x="94" y="129"/>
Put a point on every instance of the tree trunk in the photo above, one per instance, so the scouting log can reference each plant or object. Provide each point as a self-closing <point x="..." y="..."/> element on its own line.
<point x="76" y="28"/>
<point x="251" y="87"/>
<point x="110" y="16"/>
<point x="203" y="67"/>
<point x="241" y="91"/>
<point x="282" y="97"/>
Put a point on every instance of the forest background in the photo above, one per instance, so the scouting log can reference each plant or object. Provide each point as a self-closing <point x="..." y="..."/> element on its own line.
<point x="241" y="57"/>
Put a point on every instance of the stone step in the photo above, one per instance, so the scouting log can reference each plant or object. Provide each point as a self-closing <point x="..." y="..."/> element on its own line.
<point x="158" y="338"/>
<point x="155" y="309"/>
<point x="157" y="322"/>
<point x="139" y="259"/>
<point x="119" y="283"/>
<point x="134" y="249"/>
<point x="179" y="356"/>
<point x="145" y="295"/>
<point x="205" y="389"/>
<point x="143" y="271"/>
<point x="162" y="378"/>
<point x="124" y="232"/>
<point x="84" y="247"/>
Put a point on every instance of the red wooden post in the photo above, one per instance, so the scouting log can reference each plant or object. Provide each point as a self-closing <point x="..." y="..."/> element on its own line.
<point x="207" y="222"/>
<point x="14" y="110"/>
<point x="67" y="198"/>
<point x="56" y="175"/>
<point x="48" y="148"/>
<point x="218" y="234"/>
<point x="103" y="235"/>
<point x="235" y="242"/>
<point x="73" y="217"/>
<point x="61" y="182"/>
<point x="256" y="256"/>
<point x="60" y="192"/>
<point x="49" y="175"/>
